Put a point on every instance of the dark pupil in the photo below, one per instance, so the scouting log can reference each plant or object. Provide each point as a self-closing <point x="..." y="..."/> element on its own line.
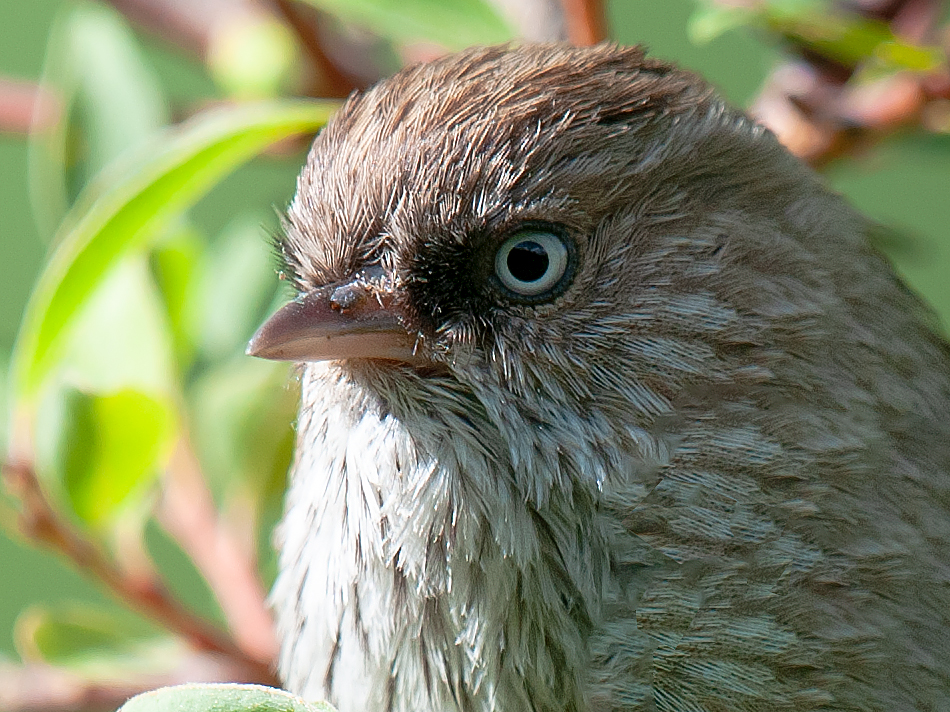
<point x="527" y="261"/>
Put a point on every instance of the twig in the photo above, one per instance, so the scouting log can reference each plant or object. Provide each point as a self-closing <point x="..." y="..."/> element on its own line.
<point x="586" y="21"/>
<point x="329" y="81"/>
<point x="188" y="513"/>
<point x="185" y="23"/>
<point x="195" y="25"/>
<point x="39" y="523"/>
<point x="37" y="687"/>
<point x="41" y="688"/>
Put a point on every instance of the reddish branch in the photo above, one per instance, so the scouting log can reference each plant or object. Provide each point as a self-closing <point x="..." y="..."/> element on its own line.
<point x="37" y="687"/>
<point x="189" y="514"/>
<point x="586" y="21"/>
<point x="186" y="23"/>
<point x="194" y="26"/>
<point x="329" y="81"/>
<point x="41" y="688"/>
<point x="40" y="523"/>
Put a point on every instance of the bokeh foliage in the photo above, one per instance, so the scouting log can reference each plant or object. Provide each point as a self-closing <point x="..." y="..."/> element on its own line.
<point x="156" y="271"/>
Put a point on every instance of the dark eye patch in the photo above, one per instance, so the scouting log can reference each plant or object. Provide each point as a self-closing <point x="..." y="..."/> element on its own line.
<point x="447" y="283"/>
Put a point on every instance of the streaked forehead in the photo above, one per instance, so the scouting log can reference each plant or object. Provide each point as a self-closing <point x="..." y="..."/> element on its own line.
<point x="452" y="139"/>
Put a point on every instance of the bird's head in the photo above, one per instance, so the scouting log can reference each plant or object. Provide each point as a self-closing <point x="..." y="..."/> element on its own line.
<point x="542" y="230"/>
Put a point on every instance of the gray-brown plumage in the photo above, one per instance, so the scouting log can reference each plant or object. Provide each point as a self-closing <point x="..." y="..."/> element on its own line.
<point x="609" y="406"/>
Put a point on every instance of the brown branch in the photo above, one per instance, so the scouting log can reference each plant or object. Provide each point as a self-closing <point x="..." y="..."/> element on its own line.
<point x="188" y="513"/>
<point x="40" y="523"/>
<point x="185" y="23"/>
<point x="41" y="688"/>
<point x="197" y="26"/>
<point x="328" y="80"/>
<point x="38" y="687"/>
<point x="586" y="21"/>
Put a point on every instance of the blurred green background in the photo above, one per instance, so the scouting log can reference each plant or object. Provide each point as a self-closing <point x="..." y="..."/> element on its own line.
<point x="904" y="183"/>
<point x="28" y="575"/>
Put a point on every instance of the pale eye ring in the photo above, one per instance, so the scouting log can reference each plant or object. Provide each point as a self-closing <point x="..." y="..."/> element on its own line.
<point x="532" y="262"/>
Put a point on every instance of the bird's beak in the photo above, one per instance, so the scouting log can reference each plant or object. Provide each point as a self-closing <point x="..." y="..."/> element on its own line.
<point x="340" y="321"/>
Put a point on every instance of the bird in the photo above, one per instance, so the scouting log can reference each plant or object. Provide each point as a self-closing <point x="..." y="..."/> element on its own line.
<point x="607" y="403"/>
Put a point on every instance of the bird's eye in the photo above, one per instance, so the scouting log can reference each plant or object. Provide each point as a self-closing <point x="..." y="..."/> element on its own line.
<point x="532" y="263"/>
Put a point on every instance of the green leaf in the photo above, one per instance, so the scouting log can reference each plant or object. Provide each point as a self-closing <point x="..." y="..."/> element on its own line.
<point x="93" y="63"/>
<point x="454" y="24"/>
<point x="95" y="642"/>
<point x="174" y="264"/>
<point x="253" y="55"/>
<point x="142" y="197"/>
<point x="235" y="286"/>
<point x="4" y="411"/>
<point x="122" y="336"/>
<point x="243" y="414"/>
<point x="846" y="38"/>
<point x="121" y="343"/>
<point x="221" y="698"/>
<point x="111" y="447"/>
<point x="794" y="8"/>
<point x="710" y="21"/>
<point x="119" y="95"/>
<point x="899" y="55"/>
<point x="46" y="150"/>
